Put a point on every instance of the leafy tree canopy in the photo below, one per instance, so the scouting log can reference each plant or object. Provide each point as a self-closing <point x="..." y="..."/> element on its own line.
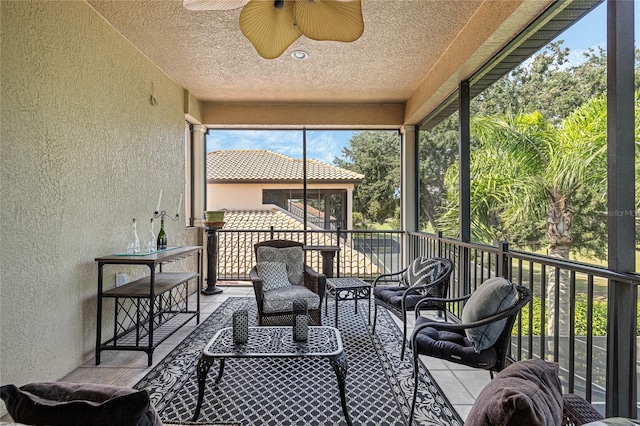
<point x="546" y="87"/>
<point x="376" y="155"/>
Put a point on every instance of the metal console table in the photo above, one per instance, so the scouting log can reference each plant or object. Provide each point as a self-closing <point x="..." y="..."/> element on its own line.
<point x="274" y="342"/>
<point x="148" y="310"/>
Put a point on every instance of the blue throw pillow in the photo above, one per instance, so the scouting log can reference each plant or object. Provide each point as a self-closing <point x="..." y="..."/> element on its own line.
<point x="493" y="296"/>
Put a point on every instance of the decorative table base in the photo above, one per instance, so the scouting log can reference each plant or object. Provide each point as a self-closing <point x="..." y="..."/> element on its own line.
<point x="347" y="289"/>
<point x="274" y="342"/>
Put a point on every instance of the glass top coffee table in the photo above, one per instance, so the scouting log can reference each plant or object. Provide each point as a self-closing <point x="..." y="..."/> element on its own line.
<point x="274" y="342"/>
<point x="348" y="289"/>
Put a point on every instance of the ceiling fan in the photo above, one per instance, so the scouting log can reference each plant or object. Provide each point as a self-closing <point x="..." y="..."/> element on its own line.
<point x="272" y="25"/>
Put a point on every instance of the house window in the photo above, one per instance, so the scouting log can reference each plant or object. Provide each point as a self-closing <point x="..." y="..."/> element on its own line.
<point x="326" y="208"/>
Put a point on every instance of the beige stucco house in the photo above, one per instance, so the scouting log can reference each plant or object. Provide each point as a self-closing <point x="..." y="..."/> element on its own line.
<point x="254" y="180"/>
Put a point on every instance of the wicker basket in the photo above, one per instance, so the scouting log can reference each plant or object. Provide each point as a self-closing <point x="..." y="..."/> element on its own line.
<point x="577" y="411"/>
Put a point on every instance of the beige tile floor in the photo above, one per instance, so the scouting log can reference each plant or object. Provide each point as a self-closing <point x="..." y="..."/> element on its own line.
<point x="460" y="384"/>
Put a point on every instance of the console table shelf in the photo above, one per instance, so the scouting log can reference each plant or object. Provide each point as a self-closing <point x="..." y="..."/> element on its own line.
<point x="164" y="281"/>
<point x="150" y="309"/>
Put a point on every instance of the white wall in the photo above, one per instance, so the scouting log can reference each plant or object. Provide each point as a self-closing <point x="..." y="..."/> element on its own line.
<point x="82" y="152"/>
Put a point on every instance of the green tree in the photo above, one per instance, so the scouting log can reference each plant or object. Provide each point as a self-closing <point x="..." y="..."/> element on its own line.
<point x="376" y="155"/>
<point x="438" y="150"/>
<point x="546" y="84"/>
<point x="538" y="183"/>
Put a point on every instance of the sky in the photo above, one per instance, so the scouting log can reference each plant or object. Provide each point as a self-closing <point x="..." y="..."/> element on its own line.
<point x="326" y="145"/>
<point x="323" y="145"/>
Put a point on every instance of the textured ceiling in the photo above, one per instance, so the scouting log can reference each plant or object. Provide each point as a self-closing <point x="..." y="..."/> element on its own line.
<point x="205" y="52"/>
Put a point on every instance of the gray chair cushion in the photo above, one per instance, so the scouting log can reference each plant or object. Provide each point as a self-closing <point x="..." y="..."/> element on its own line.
<point x="525" y="393"/>
<point x="273" y="274"/>
<point x="493" y="296"/>
<point x="281" y="299"/>
<point x="293" y="257"/>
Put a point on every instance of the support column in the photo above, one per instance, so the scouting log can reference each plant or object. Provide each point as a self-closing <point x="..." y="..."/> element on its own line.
<point x="621" y="312"/>
<point x="409" y="182"/>
<point x="212" y="261"/>
<point x="199" y="185"/>
<point x="464" y="161"/>
<point x="199" y="173"/>
<point x="349" y="209"/>
<point x="464" y="153"/>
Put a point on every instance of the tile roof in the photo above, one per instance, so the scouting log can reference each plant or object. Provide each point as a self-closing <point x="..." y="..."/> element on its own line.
<point x="236" y="256"/>
<point x="270" y="166"/>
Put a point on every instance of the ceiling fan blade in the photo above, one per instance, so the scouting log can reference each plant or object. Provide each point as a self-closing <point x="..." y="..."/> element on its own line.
<point x="213" y="4"/>
<point x="329" y="19"/>
<point x="269" y="26"/>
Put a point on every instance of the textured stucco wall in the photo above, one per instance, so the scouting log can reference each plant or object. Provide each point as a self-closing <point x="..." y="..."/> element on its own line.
<point x="82" y="152"/>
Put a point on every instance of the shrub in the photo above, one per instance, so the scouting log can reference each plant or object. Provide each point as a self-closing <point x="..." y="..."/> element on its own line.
<point x="599" y="319"/>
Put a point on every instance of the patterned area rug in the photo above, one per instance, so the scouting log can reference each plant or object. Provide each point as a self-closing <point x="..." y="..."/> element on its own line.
<point x="300" y="391"/>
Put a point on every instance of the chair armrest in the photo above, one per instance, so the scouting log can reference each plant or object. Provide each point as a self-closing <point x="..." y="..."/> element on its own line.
<point x="438" y="300"/>
<point x="258" y="285"/>
<point x="389" y="275"/>
<point x="448" y="326"/>
<point x="315" y="281"/>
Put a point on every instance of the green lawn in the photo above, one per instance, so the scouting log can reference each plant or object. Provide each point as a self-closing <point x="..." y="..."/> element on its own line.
<point x="600" y="285"/>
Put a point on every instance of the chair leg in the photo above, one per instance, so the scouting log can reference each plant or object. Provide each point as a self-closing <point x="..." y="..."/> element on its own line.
<point x="491" y="374"/>
<point x="375" y="316"/>
<point x="415" y="386"/>
<point x="404" y="335"/>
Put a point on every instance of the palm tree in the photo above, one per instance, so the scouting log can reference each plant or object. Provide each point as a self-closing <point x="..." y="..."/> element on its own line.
<point x="530" y="178"/>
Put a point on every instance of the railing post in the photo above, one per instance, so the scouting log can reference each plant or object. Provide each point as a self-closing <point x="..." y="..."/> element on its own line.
<point x="439" y="244"/>
<point x="271" y="232"/>
<point x="503" y="260"/>
<point x="338" y="252"/>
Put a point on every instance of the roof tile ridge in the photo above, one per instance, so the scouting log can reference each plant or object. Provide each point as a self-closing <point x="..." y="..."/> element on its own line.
<point x="338" y="168"/>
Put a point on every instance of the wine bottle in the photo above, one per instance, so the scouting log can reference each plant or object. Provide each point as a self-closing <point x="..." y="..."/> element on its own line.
<point x="162" y="237"/>
<point x="136" y="240"/>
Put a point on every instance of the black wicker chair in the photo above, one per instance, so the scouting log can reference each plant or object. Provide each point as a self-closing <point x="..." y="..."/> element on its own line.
<point x="450" y="341"/>
<point x="577" y="411"/>
<point x="312" y="280"/>
<point x="431" y="285"/>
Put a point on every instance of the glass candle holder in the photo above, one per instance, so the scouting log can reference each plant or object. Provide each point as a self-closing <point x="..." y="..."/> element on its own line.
<point x="240" y="326"/>
<point x="300" y="321"/>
